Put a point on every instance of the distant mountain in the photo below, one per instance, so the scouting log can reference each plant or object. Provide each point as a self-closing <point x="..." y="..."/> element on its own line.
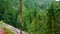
<point x="37" y="3"/>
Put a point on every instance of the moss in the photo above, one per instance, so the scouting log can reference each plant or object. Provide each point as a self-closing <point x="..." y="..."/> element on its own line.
<point x="5" y="28"/>
<point x="1" y="22"/>
<point x="8" y="30"/>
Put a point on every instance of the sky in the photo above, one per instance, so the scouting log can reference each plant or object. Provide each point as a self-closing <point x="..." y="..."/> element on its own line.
<point x="57" y="0"/>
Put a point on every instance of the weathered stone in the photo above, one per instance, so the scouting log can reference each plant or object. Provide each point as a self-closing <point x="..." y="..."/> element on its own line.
<point x="15" y="30"/>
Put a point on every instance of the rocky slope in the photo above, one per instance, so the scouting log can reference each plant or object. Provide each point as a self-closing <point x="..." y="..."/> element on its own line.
<point x="15" y="30"/>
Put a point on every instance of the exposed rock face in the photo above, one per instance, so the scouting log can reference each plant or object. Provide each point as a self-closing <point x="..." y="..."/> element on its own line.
<point x="15" y="30"/>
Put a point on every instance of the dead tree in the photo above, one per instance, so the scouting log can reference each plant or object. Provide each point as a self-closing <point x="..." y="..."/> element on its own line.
<point x="20" y="16"/>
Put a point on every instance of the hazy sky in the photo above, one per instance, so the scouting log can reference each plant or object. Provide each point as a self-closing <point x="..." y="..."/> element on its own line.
<point x="57" y="0"/>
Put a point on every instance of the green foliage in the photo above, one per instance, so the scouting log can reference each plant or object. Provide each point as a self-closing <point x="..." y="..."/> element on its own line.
<point x="54" y="15"/>
<point x="8" y="30"/>
<point x="35" y="17"/>
<point x="9" y="12"/>
<point x="38" y="16"/>
<point x="1" y="23"/>
<point x="5" y="28"/>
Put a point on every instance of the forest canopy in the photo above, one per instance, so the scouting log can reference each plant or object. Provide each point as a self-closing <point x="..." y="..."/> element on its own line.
<point x="38" y="16"/>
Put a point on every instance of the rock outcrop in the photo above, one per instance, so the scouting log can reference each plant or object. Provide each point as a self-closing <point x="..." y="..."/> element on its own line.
<point x="15" y="30"/>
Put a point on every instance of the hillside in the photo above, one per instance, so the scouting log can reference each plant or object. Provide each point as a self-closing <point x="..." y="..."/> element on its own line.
<point x="15" y="30"/>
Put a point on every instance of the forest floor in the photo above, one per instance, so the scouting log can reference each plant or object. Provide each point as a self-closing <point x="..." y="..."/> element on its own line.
<point x="13" y="29"/>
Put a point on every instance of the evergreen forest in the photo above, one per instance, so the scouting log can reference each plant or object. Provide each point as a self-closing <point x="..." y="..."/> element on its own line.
<point x="31" y="16"/>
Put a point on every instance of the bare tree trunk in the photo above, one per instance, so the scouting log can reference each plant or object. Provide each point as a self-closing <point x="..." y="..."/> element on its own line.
<point x="21" y="16"/>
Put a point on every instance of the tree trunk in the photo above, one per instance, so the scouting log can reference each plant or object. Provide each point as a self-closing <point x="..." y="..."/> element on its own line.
<point x="21" y="16"/>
